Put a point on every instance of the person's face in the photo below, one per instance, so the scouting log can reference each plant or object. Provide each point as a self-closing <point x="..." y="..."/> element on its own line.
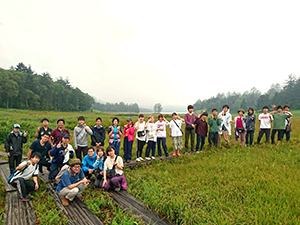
<point x="191" y="110"/>
<point x="45" y="123"/>
<point x="60" y="124"/>
<point x="100" y="153"/>
<point x="241" y="113"/>
<point x="204" y="117"/>
<point x="115" y="123"/>
<point x="250" y="111"/>
<point x="76" y="168"/>
<point x="111" y="153"/>
<point x="65" y="140"/>
<point x="265" y="111"/>
<point x="16" y="130"/>
<point x="98" y="123"/>
<point x="90" y="152"/>
<point x="175" y="117"/>
<point x="225" y="109"/>
<point x="152" y="119"/>
<point x="141" y="119"/>
<point x="286" y="109"/>
<point x="160" y="119"/>
<point x="81" y="122"/>
<point x="128" y="123"/>
<point x="45" y="138"/>
<point x="215" y="113"/>
<point x="279" y="110"/>
<point x="35" y="159"/>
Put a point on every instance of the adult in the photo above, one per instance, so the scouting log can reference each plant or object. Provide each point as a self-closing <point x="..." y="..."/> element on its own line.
<point x="70" y="186"/>
<point x="99" y="166"/>
<point x="21" y="177"/>
<point x="189" y="119"/>
<point x="42" y="146"/>
<point x="240" y="127"/>
<point x="288" y="122"/>
<point x="115" y="133"/>
<point x="201" y="130"/>
<point x="214" y="122"/>
<point x="250" y="126"/>
<point x="225" y="127"/>
<point x="114" y="162"/>
<point x="43" y="130"/>
<point x="264" y="122"/>
<point x="128" y="140"/>
<point x="57" y="134"/>
<point x="161" y="125"/>
<point x="176" y="133"/>
<point x="14" y="146"/>
<point x="98" y="136"/>
<point x="61" y="154"/>
<point x="81" y="132"/>
<point x="140" y="137"/>
<point x="88" y="162"/>
<point x="151" y="138"/>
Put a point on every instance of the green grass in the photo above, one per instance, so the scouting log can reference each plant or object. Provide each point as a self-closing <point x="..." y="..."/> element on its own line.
<point x="2" y="202"/>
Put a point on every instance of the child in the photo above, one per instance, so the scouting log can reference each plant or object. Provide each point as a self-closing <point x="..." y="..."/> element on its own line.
<point x="225" y="127"/>
<point x="250" y="126"/>
<point x="151" y="137"/>
<point x="214" y="122"/>
<point x="240" y="127"/>
<point x="288" y="122"/>
<point x="189" y="119"/>
<point x="140" y="137"/>
<point x="98" y="136"/>
<point x="161" y="134"/>
<point x="99" y="166"/>
<point x="264" y="122"/>
<point x="201" y="130"/>
<point x="176" y="133"/>
<point x="128" y="140"/>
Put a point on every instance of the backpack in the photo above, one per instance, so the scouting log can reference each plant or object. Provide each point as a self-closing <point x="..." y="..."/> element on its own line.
<point x="62" y="170"/>
<point x="21" y="171"/>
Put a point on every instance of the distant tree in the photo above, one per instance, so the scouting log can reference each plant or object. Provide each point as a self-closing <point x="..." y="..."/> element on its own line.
<point x="157" y="108"/>
<point x="262" y="101"/>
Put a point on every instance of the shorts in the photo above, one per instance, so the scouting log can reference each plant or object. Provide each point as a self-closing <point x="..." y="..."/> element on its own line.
<point x="177" y="143"/>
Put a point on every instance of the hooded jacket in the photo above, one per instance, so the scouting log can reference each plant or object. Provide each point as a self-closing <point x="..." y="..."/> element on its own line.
<point x="225" y="120"/>
<point x="98" y="135"/>
<point x="88" y="162"/>
<point x="81" y="136"/>
<point x="14" y="143"/>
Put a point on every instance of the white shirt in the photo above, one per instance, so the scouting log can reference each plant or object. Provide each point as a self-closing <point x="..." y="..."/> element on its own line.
<point x="226" y="119"/>
<point x="151" y="132"/>
<point x="109" y="163"/>
<point x="265" y="121"/>
<point x="141" y="128"/>
<point x="67" y="156"/>
<point x="175" y="131"/>
<point x="162" y="124"/>
<point x="27" y="173"/>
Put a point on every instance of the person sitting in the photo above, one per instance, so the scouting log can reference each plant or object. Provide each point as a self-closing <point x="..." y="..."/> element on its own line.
<point x="88" y="162"/>
<point x="99" y="166"/>
<point x="22" y="174"/>
<point x="114" y="162"/>
<point x="61" y="154"/>
<point x="69" y="186"/>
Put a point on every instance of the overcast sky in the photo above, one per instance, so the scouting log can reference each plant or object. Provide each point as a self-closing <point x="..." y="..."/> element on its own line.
<point x="172" y="52"/>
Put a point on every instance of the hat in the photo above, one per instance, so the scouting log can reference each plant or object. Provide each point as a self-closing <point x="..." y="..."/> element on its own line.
<point x="66" y="135"/>
<point x="76" y="162"/>
<point x="129" y="119"/>
<point x="17" y="125"/>
<point x="44" y="120"/>
<point x="241" y="110"/>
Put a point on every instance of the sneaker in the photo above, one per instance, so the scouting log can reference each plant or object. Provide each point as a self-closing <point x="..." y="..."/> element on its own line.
<point x="138" y="159"/>
<point x="65" y="201"/>
<point x="178" y="154"/>
<point x="197" y="151"/>
<point x="26" y="199"/>
<point x="141" y="159"/>
<point x="117" y="189"/>
<point x="174" y="153"/>
<point x="153" y="157"/>
<point x="192" y="152"/>
<point x="148" y="158"/>
<point x="186" y="152"/>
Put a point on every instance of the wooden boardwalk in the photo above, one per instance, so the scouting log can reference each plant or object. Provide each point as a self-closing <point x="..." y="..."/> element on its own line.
<point x="5" y="173"/>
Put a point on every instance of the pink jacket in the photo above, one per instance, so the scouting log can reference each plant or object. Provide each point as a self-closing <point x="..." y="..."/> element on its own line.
<point x="130" y="132"/>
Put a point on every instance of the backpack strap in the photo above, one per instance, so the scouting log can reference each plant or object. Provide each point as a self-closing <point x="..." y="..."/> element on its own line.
<point x="69" y="173"/>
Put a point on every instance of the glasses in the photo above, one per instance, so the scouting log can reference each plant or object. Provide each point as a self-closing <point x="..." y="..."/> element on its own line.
<point x="77" y="167"/>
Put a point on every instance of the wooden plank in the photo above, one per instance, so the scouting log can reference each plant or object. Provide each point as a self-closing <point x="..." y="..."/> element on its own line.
<point x="131" y="204"/>
<point x="3" y="161"/>
<point x="5" y="173"/>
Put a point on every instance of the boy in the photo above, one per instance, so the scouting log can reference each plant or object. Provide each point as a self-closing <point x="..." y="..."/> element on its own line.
<point x="98" y="136"/>
<point x="23" y="173"/>
<point x="288" y="122"/>
<point x="14" y="146"/>
<point x="250" y="126"/>
<point x="176" y="133"/>
<point x="214" y="122"/>
<point x="201" y="130"/>
<point x="189" y="119"/>
<point x="56" y="134"/>
<point x="264" y="123"/>
<point x="225" y="127"/>
<point x="43" y="130"/>
<point x="81" y="132"/>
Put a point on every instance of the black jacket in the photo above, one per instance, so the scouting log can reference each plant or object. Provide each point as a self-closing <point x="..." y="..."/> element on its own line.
<point x="98" y="135"/>
<point x="14" y="144"/>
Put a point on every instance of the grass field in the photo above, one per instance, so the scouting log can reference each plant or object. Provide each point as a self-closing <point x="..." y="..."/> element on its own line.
<point x="256" y="185"/>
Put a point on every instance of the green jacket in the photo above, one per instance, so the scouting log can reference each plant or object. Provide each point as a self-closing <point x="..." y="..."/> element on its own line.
<point x="214" y="124"/>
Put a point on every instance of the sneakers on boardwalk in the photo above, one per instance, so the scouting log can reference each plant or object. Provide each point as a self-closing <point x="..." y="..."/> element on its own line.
<point x="197" y="152"/>
<point x="65" y="201"/>
<point x="26" y="199"/>
<point x="138" y="159"/>
<point x="174" y="153"/>
<point x="178" y="154"/>
<point x="148" y="158"/>
<point x="141" y="159"/>
<point x="153" y="157"/>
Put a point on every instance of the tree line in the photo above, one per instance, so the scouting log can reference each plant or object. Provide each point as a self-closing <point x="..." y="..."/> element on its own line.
<point x="288" y="93"/>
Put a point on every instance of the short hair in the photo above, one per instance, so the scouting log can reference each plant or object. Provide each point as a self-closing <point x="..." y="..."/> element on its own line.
<point x="60" y="120"/>
<point x="44" y="120"/>
<point x="279" y="107"/>
<point x="214" y="110"/>
<point x="91" y="148"/>
<point x="265" y="107"/>
<point x="81" y="118"/>
<point x="205" y="114"/>
<point x="141" y="115"/>
<point x="174" y="114"/>
<point x="286" y="106"/>
<point x="190" y="107"/>
<point x="45" y="134"/>
<point x="98" y="118"/>
<point x="160" y="116"/>
<point x="36" y="154"/>
<point x="115" y="118"/>
<point x="225" y="106"/>
<point x="250" y="108"/>
<point x="110" y="148"/>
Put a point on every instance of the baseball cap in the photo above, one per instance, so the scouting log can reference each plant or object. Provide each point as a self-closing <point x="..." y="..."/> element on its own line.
<point x="129" y="119"/>
<point x="17" y="125"/>
<point x="66" y="135"/>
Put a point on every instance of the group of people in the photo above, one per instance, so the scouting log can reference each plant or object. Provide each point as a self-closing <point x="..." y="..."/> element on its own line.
<point x="53" y="150"/>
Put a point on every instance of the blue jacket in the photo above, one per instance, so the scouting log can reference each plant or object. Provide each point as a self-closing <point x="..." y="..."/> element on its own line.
<point x="99" y="164"/>
<point x="250" y="124"/>
<point x="88" y="162"/>
<point x="59" y="155"/>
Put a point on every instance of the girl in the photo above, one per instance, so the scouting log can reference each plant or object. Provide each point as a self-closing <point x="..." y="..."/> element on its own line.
<point x="161" y="134"/>
<point x="99" y="166"/>
<point x="240" y="127"/>
<point x="115" y="133"/>
<point x="151" y="137"/>
<point x="140" y="137"/>
<point x="128" y="140"/>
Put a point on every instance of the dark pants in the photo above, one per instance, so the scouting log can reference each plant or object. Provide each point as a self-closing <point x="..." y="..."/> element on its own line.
<point x="249" y="134"/>
<point x="151" y="146"/>
<point x="261" y="134"/>
<point x="213" y="138"/>
<point x="116" y="144"/>
<point x="127" y="146"/>
<point x="44" y="162"/>
<point x="189" y="133"/>
<point x="87" y="174"/>
<point x="287" y="135"/>
<point x="279" y="135"/>
<point x="140" y="146"/>
<point x="14" y="161"/>
<point x="164" y="145"/>
<point x="79" y="150"/>
<point x="114" y="182"/>
<point x="53" y="171"/>
<point x="200" y="140"/>
<point x="24" y="187"/>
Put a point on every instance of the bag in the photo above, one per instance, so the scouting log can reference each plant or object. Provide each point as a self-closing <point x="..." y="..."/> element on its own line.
<point x="141" y="133"/>
<point x="62" y="170"/>
<point x="178" y="126"/>
<point x="240" y="130"/>
<point x="288" y="128"/>
<point x="189" y="127"/>
<point x="21" y="171"/>
<point x="224" y="128"/>
<point x="97" y="174"/>
<point x="112" y="172"/>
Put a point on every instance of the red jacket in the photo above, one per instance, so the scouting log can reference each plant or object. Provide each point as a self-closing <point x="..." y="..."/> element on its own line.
<point x="130" y="132"/>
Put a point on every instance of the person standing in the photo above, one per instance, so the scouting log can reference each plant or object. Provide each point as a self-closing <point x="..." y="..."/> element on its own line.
<point x="214" y="122"/>
<point x="98" y="136"/>
<point x="225" y="127"/>
<point x="151" y="138"/>
<point x="115" y="133"/>
<point x="201" y="130"/>
<point x="176" y="133"/>
<point x="189" y="119"/>
<point x="288" y="122"/>
<point x="240" y="127"/>
<point x="140" y="137"/>
<point x="81" y="132"/>
<point x="250" y="126"/>
<point x="162" y="134"/>
<point x="14" y="146"/>
<point x="128" y="140"/>
<point x="264" y="122"/>
<point x="43" y="130"/>
<point x="56" y="134"/>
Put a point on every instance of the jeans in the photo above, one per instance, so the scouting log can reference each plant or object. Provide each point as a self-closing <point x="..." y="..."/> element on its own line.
<point x="261" y="134"/>
<point x="14" y="161"/>
<point x="279" y="136"/>
<point x="140" y="146"/>
<point x="200" y="139"/>
<point x="53" y="171"/>
<point x="164" y="145"/>
<point x="116" y="144"/>
<point x="151" y="146"/>
<point x="250" y="133"/>
<point x="287" y="135"/>
<point x="127" y="145"/>
<point x="79" y="150"/>
<point x="24" y="187"/>
<point x="189" y="133"/>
